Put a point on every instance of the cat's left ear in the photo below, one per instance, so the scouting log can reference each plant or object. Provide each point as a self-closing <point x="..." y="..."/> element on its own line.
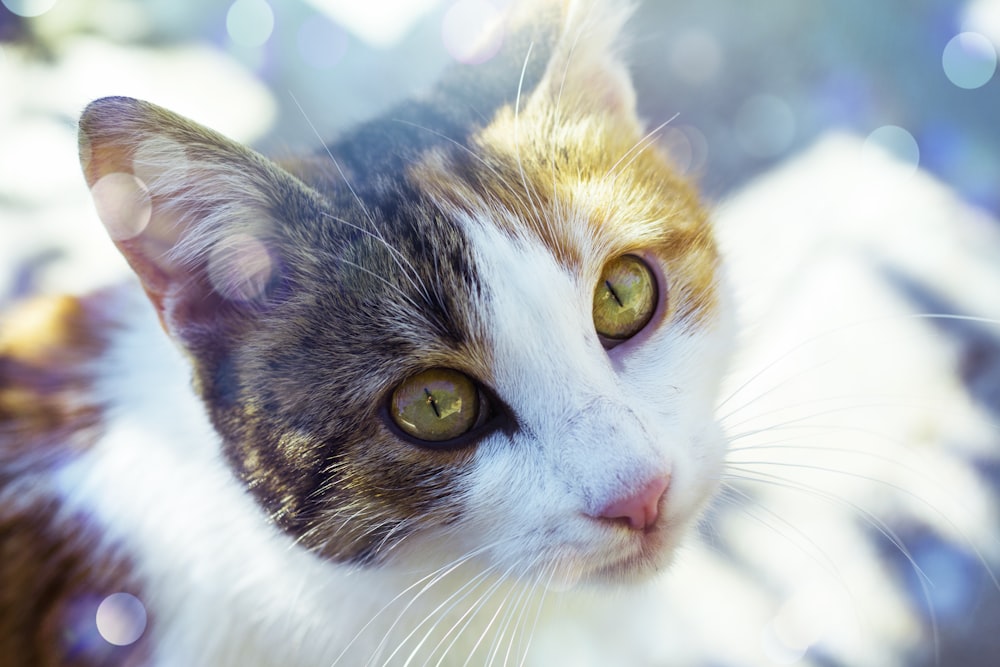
<point x="587" y="69"/>
<point x="195" y="214"/>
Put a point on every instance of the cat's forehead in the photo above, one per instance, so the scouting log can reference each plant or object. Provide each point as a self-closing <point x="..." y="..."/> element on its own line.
<point x="586" y="188"/>
<point x="583" y="190"/>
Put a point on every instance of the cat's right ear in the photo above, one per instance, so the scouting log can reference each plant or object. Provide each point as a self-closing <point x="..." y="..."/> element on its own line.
<point x="194" y="213"/>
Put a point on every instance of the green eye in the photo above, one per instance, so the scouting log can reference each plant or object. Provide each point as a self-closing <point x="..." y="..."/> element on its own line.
<point x="435" y="405"/>
<point x="624" y="299"/>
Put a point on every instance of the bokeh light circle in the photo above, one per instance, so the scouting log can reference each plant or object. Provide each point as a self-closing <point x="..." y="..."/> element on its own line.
<point x="969" y="60"/>
<point x="160" y="159"/>
<point x="696" y="57"/>
<point x="470" y="31"/>
<point x="29" y="8"/>
<point x="897" y="142"/>
<point x="240" y="267"/>
<point x="322" y="43"/>
<point x="250" y="22"/>
<point x="686" y="147"/>
<point x="121" y="619"/>
<point x="765" y="126"/>
<point x="123" y="205"/>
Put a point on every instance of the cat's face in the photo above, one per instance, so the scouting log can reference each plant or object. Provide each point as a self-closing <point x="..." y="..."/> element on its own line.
<point x="499" y="336"/>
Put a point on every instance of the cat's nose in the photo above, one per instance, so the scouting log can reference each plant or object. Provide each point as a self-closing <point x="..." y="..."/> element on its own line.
<point x="641" y="509"/>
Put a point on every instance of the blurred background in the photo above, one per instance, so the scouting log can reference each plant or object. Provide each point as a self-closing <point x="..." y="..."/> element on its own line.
<point x="853" y="151"/>
<point x="749" y="85"/>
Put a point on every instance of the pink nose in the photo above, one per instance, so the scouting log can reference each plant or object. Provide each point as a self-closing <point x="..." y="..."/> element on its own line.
<point x="640" y="509"/>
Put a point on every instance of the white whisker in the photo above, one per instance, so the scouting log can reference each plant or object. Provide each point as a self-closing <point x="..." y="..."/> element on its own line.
<point x="441" y="611"/>
<point x="637" y="148"/>
<point x="539" y="218"/>
<point x="410" y="274"/>
<point x="427" y="581"/>
<point x="877" y="523"/>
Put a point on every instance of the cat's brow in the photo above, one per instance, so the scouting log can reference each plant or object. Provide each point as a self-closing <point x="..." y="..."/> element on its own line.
<point x="408" y="271"/>
<point x="638" y="147"/>
<point x="473" y="154"/>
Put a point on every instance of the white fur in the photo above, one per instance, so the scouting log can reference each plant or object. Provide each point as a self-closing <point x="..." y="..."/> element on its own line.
<point x="594" y="424"/>
<point x="223" y="587"/>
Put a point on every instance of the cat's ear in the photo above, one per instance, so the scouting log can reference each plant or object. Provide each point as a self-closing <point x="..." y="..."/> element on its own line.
<point x="193" y="212"/>
<point x="586" y="69"/>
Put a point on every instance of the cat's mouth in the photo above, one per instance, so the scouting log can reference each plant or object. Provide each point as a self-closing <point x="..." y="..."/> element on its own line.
<point x="631" y="558"/>
<point x="651" y="554"/>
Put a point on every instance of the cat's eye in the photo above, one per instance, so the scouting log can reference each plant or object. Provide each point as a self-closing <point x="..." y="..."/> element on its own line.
<point x="436" y="405"/>
<point x="625" y="298"/>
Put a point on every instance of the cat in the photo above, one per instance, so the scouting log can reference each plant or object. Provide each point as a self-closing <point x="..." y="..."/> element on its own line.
<point x="425" y="396"/>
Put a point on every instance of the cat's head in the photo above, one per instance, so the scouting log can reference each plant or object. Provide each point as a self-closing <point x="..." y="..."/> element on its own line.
<point x="489" y="322"/>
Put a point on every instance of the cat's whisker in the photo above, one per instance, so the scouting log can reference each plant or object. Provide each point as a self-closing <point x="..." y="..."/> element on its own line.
<point x="407" y="270"/>
<point x="839" y="330"/>
<point x="424" y="583"/>
<point x="783" y="445"/>
<point x="778" y="385"/>
<point x="539" y="218"/>
<point x="518" y="615"/>
<point x="737" y="472"/>
<point x="392" y="538"/>
<point x="522" y="605"/>
<point x="956" y="317"/>
<point x="509" y="613"/>
<point x="455" y="599"/>
<point x="556" y="115"/>
<point x="361" y="511"/>
<point x="524" y="568"/>
<point x="543" y="593"/>
<point x="384" y="281"/>
<point x="457" y="628"/>
<point x="741" y="466"/>
<point x="924" y="581"/>
<point x="356" y="512"/>
<point x="412" y="275"/>
<point x="788" y="353"/>
<point x="440" y="612"/>
<point x="458" y="591"/>
<point x="637" y="148"/>
<point x="803" y="421"/>
<point x="899" y="489"/>
<point x="486" y="630"/>
<point x="781" y="383"/>
<point x="467" y="616"/>
<point x="759" y="513"/>
<point x="803" y="542"/>
<point x="336" y="163"/>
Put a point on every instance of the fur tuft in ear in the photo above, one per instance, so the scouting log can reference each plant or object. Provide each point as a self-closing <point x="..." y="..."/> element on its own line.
<point x="193" y="212"/>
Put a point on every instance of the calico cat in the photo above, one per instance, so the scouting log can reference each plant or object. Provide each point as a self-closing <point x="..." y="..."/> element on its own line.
<point x="423" y="397"/>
